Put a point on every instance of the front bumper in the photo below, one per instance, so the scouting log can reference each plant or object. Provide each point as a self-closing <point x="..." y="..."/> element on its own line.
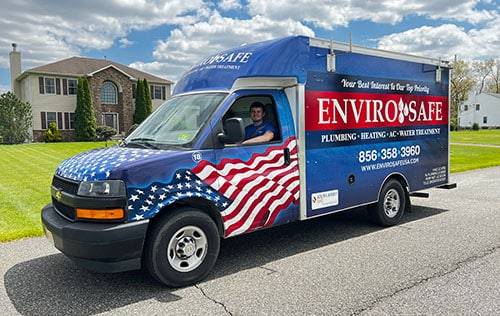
<point x="100" y="247"/>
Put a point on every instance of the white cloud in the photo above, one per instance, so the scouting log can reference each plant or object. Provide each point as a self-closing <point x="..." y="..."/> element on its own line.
<point x="51" y="30"/>
<point x="446" y="41"/>
<point x="125" y="42"/>
<point x="329" y="14"/>
<point x="226" y="5"/>
<point x="190" y="43"/>
<point x="4" y="89"/>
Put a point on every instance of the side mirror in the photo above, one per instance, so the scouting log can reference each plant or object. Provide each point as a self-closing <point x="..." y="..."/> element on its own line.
<point x="234" y="131"/>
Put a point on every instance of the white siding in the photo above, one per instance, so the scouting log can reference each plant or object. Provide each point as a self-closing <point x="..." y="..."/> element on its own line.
<point x="489" y="106"/>
<point x="48" y="102"/>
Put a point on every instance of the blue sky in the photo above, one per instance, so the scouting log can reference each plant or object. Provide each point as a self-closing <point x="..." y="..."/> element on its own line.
<point x="166" y="37"/>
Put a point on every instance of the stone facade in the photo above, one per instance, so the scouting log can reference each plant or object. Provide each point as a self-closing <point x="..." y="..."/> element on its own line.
<point x="67" y="135"/>
<point x="125" y="107"/>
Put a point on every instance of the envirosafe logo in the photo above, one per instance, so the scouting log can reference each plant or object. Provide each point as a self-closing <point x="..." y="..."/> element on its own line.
<point x="345" y="110"/>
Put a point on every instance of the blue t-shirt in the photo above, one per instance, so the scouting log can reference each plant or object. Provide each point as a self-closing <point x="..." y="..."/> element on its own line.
<point x="252" y="131"/>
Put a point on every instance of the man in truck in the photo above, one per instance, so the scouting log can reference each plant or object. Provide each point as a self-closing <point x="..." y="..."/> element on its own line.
<point x="259" y="131"/>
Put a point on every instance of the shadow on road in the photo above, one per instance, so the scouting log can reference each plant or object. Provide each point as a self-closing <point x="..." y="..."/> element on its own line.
<point x="53" y="285"/>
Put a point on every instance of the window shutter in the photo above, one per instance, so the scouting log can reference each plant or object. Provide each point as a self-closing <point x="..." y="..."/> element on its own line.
<point x="163" y="92"/>
<point x="66" y="120"/>
<point x="40" y="86"/>
<point x="65" y="86"/>
<point x="59" y="120"/>
<point x="134" y="90"/>
<point x="58" y="86"/>
<point x="44" y="120"/>
<point x="152" y="92"/>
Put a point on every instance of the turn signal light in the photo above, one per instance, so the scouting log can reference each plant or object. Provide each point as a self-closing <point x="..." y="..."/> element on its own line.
<point x="115" y="213"/>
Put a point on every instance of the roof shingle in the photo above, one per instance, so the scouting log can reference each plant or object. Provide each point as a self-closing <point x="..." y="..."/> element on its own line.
<point x="83" y="66"/>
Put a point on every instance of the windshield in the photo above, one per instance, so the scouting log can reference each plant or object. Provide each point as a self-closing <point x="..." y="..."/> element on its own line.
<point x="177" y="121"/>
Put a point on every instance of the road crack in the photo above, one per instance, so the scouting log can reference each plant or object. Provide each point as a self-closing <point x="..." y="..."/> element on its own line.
<point x="213" y="300"/>
<point x="454" y="268"/>
<point x="271" y="271"/>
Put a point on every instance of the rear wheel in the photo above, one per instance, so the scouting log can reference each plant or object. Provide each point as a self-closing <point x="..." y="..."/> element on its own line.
<point x="392" y="204"/>
<point x="182" y="247"/>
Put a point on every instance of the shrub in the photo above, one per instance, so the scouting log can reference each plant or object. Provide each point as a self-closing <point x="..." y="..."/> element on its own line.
<point x="15" y="119"/>
<point x="140" y="106"/>
<point x="105" y="132"/>
<point x="52" y="135"/>
<point x="131" y="129"/>
<point x="475" y="126"/>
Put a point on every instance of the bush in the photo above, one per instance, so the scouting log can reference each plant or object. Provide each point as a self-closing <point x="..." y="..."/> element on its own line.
<point x="15" y="119"/>
<point x="475" y="126"/>
<point x="105" y="132"/>
<point x="52" y="135"/>
<point x="131" y="129"/>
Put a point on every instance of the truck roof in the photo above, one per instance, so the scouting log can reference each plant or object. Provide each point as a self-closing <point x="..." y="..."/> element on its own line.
<point x="290" y="56"/>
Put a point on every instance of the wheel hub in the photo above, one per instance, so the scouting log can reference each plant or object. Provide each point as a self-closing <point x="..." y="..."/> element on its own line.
<point x="392" y="203"/>
<point x="185" y="247"/>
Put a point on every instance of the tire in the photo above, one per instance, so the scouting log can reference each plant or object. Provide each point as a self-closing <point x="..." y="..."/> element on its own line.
<point x="182" y="247"/>
<point x="391" y="205"/>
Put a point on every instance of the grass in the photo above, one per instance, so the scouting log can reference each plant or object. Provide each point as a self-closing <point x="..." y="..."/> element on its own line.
<point x="25" y="175"/>
<point x="463" y="157"/>
<point x="485" y="136"/>
<point x="26" y="172"/>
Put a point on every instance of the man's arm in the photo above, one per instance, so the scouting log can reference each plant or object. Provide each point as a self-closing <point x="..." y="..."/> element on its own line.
<point x="268" y="136"/>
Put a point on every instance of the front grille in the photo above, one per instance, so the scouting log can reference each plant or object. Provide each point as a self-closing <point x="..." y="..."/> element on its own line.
<point x="65" y="210"/>
<point x="68" y="186"/>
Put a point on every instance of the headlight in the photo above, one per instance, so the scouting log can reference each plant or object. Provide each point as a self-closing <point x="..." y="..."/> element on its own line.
<point x="108" y="188"/>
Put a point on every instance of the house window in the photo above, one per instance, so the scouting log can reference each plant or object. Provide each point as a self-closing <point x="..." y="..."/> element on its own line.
<point x="51" y="118"/>
<point x="466" y="107"/>
<point x="49" y="85"/>
<point x="477" y="107"/>
<point x="485" y="119"/>
<point x="72" y="86"/>
<point x="157" y="93"/>
<point x="109" y="93"/>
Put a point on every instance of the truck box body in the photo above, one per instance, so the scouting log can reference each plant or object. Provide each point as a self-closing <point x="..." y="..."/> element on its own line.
<point x="350" y="126"/>
<point x="375" y="104"/>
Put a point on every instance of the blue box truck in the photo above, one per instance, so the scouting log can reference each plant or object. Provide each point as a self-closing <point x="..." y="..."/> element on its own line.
<point x="253" y="137"/>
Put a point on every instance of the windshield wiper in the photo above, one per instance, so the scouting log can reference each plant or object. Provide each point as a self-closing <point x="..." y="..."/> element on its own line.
<point x="143" y="141"/>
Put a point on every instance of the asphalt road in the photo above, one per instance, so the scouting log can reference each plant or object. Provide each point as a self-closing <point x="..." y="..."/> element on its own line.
<point x="444" y="259"/>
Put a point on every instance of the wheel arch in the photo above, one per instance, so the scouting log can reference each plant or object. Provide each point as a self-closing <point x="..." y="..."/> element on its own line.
<point x="396" y="176"/>
<point x="201" y="204"/>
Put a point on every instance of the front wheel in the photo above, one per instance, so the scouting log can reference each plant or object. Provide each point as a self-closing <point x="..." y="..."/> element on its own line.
<point x="391" y="205"/>
<point x="182" y="247"/>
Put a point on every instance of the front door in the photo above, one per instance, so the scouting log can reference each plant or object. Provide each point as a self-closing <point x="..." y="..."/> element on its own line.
<point x="111" y="120"/>
<point x="259" y="177"/>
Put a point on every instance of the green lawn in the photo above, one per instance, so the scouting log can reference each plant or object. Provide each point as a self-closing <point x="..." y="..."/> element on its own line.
<point x="465" y="158"/>
<point x="485" y="136"/>
<point x="25" y="175"/>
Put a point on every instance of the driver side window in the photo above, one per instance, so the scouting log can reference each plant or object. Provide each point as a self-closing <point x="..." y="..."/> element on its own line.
<point x="259" y="117"/>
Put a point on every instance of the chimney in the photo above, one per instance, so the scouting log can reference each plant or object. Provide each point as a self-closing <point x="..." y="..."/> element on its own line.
<point x="15" y="69"/>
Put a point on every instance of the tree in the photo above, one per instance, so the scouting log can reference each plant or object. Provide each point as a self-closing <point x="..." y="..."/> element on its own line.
<point x="147" y="98"/>
<point x="140" y="106"/>
<point x="494" y="85"/>
<point x="15" y="119"/>
<point x="483" y="70"/>
<point x="85" y="121"/>
<point x="462" y="82"/>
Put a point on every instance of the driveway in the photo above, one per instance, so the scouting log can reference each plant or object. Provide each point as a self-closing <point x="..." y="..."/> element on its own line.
<point x="444" y="259"/>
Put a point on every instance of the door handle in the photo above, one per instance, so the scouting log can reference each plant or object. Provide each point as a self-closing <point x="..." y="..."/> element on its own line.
<point x="288" y="159"/>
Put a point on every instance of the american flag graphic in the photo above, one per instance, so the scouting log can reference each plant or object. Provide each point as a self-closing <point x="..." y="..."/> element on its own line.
<point x="258" y="188"/>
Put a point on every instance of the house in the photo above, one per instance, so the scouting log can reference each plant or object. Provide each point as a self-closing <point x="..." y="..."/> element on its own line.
<point x="483" y="109"/>
<point x="51" y="90"/>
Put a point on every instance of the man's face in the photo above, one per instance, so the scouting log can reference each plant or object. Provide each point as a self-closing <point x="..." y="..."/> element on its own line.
<point x="257" y="114"/>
